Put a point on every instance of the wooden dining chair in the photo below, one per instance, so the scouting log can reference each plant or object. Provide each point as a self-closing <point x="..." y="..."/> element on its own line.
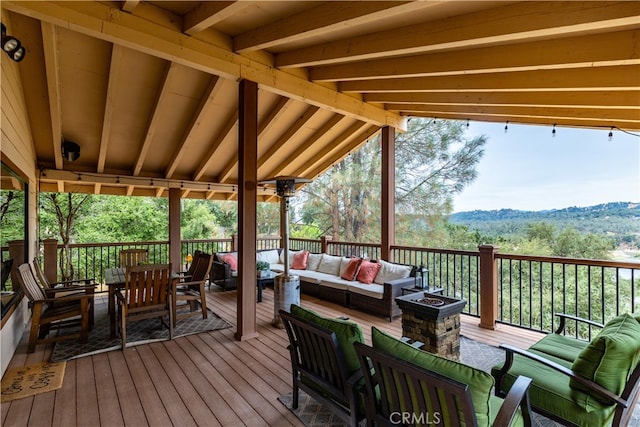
<point x="146" y="295"/>
<point x="192" y="290"/>
<point x="57" y="313"/>
<point x="132" y="257"/>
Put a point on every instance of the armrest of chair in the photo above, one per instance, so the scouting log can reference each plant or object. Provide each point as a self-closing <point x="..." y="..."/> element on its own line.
<point x="393" y="288"/>
<point x="511" y="350"/>
<point x="563" y="317"/>
<point x="518" y="396"/>
<point x="75" y="282"/>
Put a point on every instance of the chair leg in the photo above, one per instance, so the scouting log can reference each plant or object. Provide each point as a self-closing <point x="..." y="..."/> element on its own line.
<point x="171" y="317"/>
<point x="123" y="328"/>
<point x="203" y="301"/>
<point x="35" y="326"/>
<point x="296" y="394"/>
<point x="85" y="320"/>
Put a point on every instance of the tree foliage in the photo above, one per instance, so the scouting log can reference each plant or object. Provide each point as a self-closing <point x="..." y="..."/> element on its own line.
<point x="433" y="162"/>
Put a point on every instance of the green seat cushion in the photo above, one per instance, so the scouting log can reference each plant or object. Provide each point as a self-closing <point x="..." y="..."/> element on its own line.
<point x="346" y="332"/>
<point x="550" y="391"/>
<point x="608" y="360"/>
<point x="480" y="383"/>
<point x="566" y="348"/>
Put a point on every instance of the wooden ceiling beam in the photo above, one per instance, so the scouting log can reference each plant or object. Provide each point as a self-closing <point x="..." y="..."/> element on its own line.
<point x="320" y="20"/>
<point x="504" y="24"/>
<point x="50" y="50"/>
<point x="289" y="133"/>
<point x="230" y="125"/>
<point x="595" y="50"/>
<point x="266" y="123"/>
<point x="209" y="13"/>
<point x="307" y="144"/>
<point x="115" y="76"/>
<point x="342" y="151"/>
<point x="602" y="78"/>
<point x="523" y="111"/>
<point x="170" y="73"/>
<point x="352" y="132"/>
<point x="199" y="116"/>
<point x="102" y="21"/>
<point x="591" y="99"/>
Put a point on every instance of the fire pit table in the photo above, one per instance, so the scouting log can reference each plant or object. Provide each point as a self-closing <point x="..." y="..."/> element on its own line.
<point x="434" y="320"/>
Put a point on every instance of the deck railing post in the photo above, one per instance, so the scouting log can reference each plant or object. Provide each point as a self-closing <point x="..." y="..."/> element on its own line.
<point x="488" y="286"/>
<point x="51" y="259"/>
<point x="324" y="244"/>
<point x="234" y="243"/>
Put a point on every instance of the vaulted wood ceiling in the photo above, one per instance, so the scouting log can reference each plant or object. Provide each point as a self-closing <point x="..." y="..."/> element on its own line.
<point x="149" y="89"/>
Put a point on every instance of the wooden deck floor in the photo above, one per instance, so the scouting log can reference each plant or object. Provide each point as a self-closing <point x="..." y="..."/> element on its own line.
<point x="207" y="379"/>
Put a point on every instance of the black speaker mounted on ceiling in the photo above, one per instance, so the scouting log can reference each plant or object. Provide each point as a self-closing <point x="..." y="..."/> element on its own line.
<point x="70" y="150"/>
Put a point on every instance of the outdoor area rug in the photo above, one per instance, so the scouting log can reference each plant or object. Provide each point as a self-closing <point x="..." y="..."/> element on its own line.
<point x="29" y="380"/>
<point x="138" y="332"/>
<point x="472" y="353"/>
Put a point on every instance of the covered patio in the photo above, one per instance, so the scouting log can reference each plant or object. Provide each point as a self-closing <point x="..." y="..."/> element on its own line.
<point x="207" y="99"/>
<point x="204" y="379"/>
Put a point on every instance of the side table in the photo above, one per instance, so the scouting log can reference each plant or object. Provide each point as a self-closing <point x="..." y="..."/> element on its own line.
<point x="262" y="282"/>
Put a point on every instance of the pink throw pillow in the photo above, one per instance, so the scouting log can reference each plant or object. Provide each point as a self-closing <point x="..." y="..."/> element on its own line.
<point x="300" y="260"/>
<point x="229" y="259"/>
<point x="368" y="271"/>
<point x="352" y="269"/>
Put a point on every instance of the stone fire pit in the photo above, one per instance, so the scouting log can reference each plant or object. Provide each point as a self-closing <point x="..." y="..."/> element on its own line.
<point x="434" y="320"/>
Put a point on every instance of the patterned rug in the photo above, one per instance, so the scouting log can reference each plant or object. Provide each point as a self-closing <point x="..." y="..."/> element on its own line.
<point x="473" y="353"/>
<point x="139" y="332"/>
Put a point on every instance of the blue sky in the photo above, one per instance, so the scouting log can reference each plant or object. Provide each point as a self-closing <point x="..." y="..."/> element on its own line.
<point x="528" y="169"/>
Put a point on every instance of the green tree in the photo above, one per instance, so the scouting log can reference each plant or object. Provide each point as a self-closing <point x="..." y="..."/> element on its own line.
<point x="197" y="221"/>
<point x="433" y="162"/>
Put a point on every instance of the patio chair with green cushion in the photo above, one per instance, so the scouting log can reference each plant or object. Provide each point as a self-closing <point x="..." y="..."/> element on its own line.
<point x="323" y="361"/>
<point x="578" y="382"/>
<point x="469" y="400"/>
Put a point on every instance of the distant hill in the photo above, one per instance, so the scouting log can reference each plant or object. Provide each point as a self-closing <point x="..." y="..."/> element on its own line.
<point x="618" y="219"/>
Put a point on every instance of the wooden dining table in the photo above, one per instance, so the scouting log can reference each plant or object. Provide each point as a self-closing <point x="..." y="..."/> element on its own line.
<point x="114" y="278"/>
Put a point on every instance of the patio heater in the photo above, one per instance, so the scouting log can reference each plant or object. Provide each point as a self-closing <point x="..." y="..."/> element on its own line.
<point x="286" y="286"/>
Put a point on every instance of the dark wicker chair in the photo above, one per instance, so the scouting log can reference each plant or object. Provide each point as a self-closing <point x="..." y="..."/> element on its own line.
<point x="397" y="390"/>
<point x="221" y="275"/>
<point x="318" y="368"/>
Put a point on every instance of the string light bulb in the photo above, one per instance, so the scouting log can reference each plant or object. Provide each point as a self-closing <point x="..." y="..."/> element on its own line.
<point x="611" y="134"/>
<point x="506" y="126"/>
<point x="553" y="131"/>
<point x="467" y="123"/>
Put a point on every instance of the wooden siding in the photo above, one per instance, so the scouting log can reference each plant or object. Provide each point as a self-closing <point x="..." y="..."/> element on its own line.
<point x="205" y="379"/>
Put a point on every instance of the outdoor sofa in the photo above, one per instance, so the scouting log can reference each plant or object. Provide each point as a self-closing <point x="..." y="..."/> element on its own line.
<point x="368" y="285"/>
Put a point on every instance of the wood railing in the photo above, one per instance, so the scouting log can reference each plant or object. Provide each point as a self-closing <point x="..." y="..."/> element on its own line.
<point x="519" y="290"/>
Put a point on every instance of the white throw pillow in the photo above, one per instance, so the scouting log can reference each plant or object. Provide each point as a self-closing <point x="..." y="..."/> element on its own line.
<point x="343" y="265"/>
<point x="390" y="271"/>
<point x="330" y="264"/>
<point x="313" y="261"/>
<point x="270" y="256"/>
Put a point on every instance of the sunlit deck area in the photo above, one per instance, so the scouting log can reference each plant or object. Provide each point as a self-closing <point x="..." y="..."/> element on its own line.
<point x="205" y="379"/>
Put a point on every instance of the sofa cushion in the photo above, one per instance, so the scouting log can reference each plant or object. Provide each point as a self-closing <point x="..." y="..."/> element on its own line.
<point x="372" y="290"/>
<point x="351" y="271"/>
<point x="309" y="276"/>
<point x="313" y="261"/>
<point x="230" y="259"/>
<point x="368" y="271"/>
<point x="390" y="271"/>
<point x="271" y="256"/>
<point x="552" y="391"/>
<point x="608" y="360"/>
<point x="291" y="255"/>
<point x="347" y="333"/>
<point x="480" y="383"/>
<point x="300" y="260"/>
<point x="330" y="264"/>
<point x="566" y="348"/>
<point x="335" y="283"/>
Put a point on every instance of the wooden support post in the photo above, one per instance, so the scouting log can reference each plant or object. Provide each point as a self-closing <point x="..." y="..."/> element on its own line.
<point x="488" y="286"/>
<point x="175" y="238"/>
<point x="388" y="231"/>
<point x="234" y="243"/>
<point x="51" y="259"/>
<point x="247" y="209"/>
<point x="16" y="253"/>
<point x="324" y="244"/>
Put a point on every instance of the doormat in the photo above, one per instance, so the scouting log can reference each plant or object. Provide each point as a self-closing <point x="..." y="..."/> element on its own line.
<point x="30" y="380"/>
<point x="138" y="332"/>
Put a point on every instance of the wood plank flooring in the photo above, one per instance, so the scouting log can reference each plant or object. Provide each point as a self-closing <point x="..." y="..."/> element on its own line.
<point x="208" y="379"/>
